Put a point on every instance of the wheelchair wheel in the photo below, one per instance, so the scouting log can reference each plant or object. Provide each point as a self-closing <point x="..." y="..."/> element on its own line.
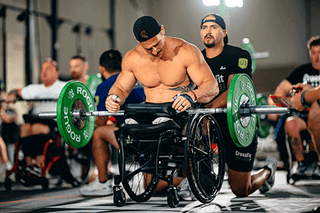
<point x="172" y="198"/>
<point x="137" y="169"/>
<point x="119" y="198"/>
<point x="204" y="157"/>
<point x="44" y="183"/>
<point x="79" y="162"/>
<point x="8" y="183"/>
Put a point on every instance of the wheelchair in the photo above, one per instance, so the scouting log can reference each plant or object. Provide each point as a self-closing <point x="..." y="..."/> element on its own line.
<point x="75" y="166"/>
<point x="150" y="153"/>
<point x="290" y="168"/>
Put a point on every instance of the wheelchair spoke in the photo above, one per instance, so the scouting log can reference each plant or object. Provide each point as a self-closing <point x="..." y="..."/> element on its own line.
<point x="204" y="162"/>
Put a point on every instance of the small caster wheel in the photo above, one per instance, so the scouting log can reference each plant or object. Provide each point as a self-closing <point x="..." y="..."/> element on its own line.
<point x="8" y="184"/>
<point x="44" y="183"/>
<point x="119" y="198"/>
<point x="173" y="199"/>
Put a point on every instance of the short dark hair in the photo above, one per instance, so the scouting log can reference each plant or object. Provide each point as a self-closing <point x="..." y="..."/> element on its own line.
<point x="313" y="41"/>
<point x="111" y="60"/>
<point x="84" y="60"/>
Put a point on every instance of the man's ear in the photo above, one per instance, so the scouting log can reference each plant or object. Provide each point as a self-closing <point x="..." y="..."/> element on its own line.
<point x="86" y="66"/>
<point x="162" y="31"/>
<point x="224" y="33"/>
<point x="101" y="69"/>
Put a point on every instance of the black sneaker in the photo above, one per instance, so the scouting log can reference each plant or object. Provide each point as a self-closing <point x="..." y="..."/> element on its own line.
<point x="311" y="167"/>
<point x="300" y="174"/>
<point x="316" y="174"/>
<point x="271" y="164"/>
<point x="33" y="171"/>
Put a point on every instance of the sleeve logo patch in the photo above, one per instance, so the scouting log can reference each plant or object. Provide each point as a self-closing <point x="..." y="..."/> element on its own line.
<point x="96" y="99"/>
<point x="243" y="63"/>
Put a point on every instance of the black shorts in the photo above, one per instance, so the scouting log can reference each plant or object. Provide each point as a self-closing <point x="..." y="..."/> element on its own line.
<point x="238" y="158"/>
<point x="33" y="145"/>
<point x="147" y="118"/>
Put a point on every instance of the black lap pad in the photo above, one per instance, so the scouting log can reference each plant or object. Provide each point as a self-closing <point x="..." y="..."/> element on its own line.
<point x="159" y="110"/>
<point x="150" y="131"/>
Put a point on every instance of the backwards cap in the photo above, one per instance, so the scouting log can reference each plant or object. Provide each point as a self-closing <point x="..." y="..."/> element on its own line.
<point x="219" y="20"/>
<point x="145" y="28"/>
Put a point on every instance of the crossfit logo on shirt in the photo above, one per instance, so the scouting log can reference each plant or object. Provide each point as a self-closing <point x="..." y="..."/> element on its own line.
<point x="243" y="63"/>
<point x="219" y="78"/>
<point x="243" y="156"/>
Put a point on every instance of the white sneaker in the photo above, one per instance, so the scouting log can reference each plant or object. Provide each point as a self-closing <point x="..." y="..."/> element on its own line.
<point x="184" y="190"/>
<point x="97" y="189"/>
<point x="160" y="120"/>
<point x="8" y="165"/>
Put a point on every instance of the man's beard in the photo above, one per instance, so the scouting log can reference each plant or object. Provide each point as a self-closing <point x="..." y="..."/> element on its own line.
<point x="209" y="45"/>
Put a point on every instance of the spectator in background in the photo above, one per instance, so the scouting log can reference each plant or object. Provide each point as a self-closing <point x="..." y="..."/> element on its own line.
<point x="106" y="131"/>
<point x="35" y="132"/>
<point x="296" y="123"/>
<point x="6" y="117"/>
<point x="78" y="67"/>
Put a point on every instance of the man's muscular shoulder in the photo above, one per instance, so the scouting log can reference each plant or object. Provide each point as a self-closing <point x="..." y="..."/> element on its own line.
<point x="185" y="50"/>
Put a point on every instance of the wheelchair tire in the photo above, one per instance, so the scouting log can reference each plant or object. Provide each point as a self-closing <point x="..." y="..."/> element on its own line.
<point x="204" y="157"/>
<point x="119" y="198"/>
<point x="78" y="163"/>
<point x="137" y="170"/>
<point x="8" y="183"/>
<point x="172" y="198"/>
<point x="44" y="183"/>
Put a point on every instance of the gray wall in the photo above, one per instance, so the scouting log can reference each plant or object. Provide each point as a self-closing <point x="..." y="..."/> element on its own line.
<point x="280" y="27"/>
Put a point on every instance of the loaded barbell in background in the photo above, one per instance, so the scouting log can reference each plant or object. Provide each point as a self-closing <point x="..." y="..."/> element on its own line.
<point x="76" y="112"/>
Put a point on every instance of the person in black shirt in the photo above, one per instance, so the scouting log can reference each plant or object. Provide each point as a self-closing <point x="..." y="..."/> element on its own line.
<point x="225" y="61"/>
<point x="296" y="123"/>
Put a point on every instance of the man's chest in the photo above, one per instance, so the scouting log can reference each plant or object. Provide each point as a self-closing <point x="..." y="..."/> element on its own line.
<point x="169" y="73"/>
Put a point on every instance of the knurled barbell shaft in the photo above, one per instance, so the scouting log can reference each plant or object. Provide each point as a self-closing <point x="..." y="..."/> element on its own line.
<point x="248" y="110"/>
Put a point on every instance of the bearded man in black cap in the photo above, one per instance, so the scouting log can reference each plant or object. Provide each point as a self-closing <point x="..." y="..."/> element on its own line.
<point x="225" y="62"/>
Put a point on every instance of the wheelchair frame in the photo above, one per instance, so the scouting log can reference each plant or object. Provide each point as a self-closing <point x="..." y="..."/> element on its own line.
<point x="69" y="156"/>
<point x="148" y="154"/>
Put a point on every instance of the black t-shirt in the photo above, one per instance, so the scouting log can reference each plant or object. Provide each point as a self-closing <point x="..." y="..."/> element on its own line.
<point x="305" y="74"/>
<point x="231" y="60"/>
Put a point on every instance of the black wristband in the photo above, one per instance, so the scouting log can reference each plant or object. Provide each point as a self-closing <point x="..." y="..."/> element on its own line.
<point x="186" y="96"/>
<point x="303" y="100"/>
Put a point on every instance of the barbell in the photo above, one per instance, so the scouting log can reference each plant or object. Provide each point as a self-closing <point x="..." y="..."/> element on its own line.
<point x="76" y="112"/>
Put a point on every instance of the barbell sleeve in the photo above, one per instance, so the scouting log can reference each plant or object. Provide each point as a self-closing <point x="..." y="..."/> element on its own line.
<point x="47" y="115"/>
<point x="265" y="109"/>
<point x="105" y="113"/>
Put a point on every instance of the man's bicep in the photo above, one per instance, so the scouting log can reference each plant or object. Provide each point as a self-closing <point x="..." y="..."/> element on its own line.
<point x="198" y="69"/>
<point x="125" y="81"/>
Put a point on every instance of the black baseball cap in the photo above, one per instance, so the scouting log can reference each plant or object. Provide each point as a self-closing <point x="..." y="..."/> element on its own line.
<point x="149" y="25"/>
<point x="219" y="20"/>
